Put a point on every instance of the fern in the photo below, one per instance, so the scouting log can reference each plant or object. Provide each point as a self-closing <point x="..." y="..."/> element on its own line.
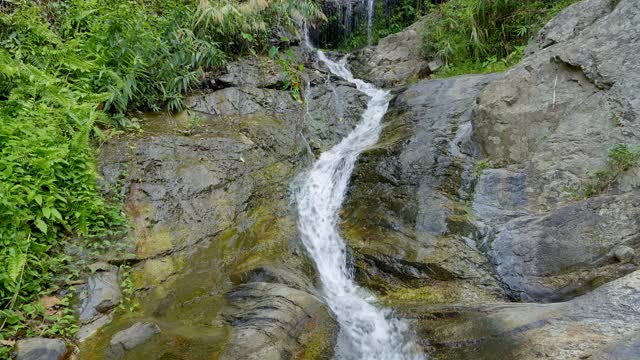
<point x="15" y="264"/>
<point x="67" y="71"/>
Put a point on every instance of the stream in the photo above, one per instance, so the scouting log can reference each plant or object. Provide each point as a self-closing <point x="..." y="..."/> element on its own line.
<point x="366" y="331"/>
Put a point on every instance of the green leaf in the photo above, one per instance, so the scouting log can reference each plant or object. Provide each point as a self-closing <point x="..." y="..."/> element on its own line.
<point x="56" y="214"/>
<point x="16" y="263"/>
<point x="41" y="225"/>
<point x="46" y="212"/>
<point x="273" y="52"/>
<point x="38" y="199"/>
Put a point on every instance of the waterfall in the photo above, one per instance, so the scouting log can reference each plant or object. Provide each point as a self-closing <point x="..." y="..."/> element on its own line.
<point x="370" y="13"/>
<point x="348" y="17"/>
<point x="366" y="331"/>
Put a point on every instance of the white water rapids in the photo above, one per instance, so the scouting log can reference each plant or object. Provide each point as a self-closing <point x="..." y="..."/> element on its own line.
<point x="366" y="331"/>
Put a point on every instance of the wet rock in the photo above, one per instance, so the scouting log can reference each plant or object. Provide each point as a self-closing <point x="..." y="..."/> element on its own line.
<point x="627" y="349"/>
<point x="271" y="320"/>
<point x="40" y="349"/>
<point x="334" y="107"/>
<point x="547" y="257"/>
<point x="101" y="294"/>
<point x="90" y="329"/>
<point x="396" y="60"/>
<point x="604" y="322"/>
<point x="208" y="194"/>
<point x="130" y="338"/>
<point x="545" y="127"/>
<point x="405" y="210"/>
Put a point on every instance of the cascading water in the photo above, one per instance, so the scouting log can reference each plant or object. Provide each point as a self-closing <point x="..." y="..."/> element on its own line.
<point x="366" y="331"/>
<point x="347" y="17"/>
<point x="370" y="13"/>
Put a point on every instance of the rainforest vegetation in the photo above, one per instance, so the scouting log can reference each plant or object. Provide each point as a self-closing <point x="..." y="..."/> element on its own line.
<point x="472" y="36"/>
<point x="72" y="73"/>
<point x="76" y="72"/>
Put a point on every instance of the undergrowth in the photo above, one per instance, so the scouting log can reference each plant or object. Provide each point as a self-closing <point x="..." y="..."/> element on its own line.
<point x="480" y="36"/>
<point x="70" y="72"/>
<point x="390" y="17"/>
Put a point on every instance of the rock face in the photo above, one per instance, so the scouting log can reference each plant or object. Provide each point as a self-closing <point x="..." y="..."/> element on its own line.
<point x="471" y="198"/>
<point x="405" y="216"/>
<point x="570" y="249"/>
<point x="266" y="316"/>
<point x="547" y="124"/>
<point x="396" y="60"/>
<point x="217" y="259"/>
<point x="40" y="349"/>
<point x="601" y="325"/>
<point x="333" y="109"/>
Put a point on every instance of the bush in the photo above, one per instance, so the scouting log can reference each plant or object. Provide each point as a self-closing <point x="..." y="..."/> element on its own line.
<point x="485" y="35"/>
<point x="68" y="70"/>
<point x="47" y="185"/>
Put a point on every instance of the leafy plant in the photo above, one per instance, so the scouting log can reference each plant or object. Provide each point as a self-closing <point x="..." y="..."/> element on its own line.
<point x="292" y="72"/>
<point x="241" y="26"/>
<point x="484" y="35"/>
<point x="71" y="71"/>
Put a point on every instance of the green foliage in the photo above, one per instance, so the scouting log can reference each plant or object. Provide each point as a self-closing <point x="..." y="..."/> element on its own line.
<point x="243" y="26"/>
<point x="620" y="160"/>
<point x="126" y="285"/>
<point x="68" y="71"/>
<point x="389" y="21"/>
<point x="47" y="183"/>
<point x="479" y="166"/>
<point x="484" y="35"/>
<point x="292" y="72"/>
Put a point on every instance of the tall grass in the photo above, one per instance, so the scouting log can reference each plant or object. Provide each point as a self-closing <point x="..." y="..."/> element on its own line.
<point x="485" y="35"/>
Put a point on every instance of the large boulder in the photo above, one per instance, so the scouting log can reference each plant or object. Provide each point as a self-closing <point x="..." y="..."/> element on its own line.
<point x="267" y="315"/>
<point x="129" y="339"/>
<point x="545" y="127"/>
<point x="396" y="60"/>
<point x="41" y="349"/>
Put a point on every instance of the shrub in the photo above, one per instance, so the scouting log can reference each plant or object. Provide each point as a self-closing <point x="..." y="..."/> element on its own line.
<point x="68" y="70"/>
<point x="484" y="35"/>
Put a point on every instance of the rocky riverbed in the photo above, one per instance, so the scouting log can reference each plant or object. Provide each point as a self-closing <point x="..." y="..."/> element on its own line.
<point x="461" y="218"/>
